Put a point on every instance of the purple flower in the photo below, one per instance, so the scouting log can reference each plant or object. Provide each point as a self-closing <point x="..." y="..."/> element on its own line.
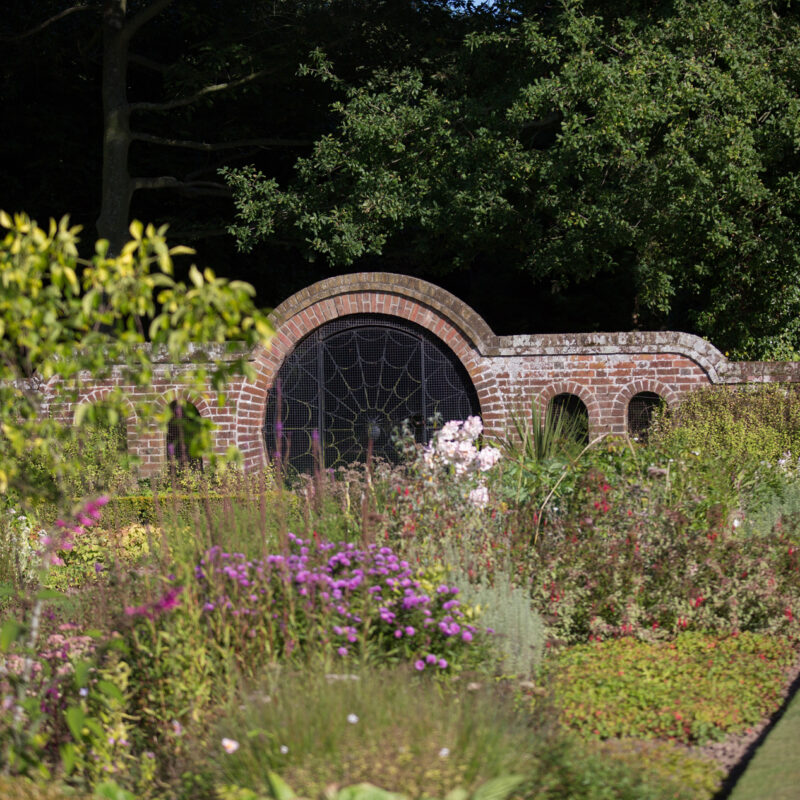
<point x="466" y="636"/>
<point x="409" y="630"/>
<point x="342" y="651"/>
<point x="419" y="665"/>
<point x="430" y="658"/>
<point x="442" y="664"/>
<point x="398" y="634"/>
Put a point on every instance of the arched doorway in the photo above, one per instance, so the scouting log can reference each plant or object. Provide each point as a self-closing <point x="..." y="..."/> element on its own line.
<point x="641" y="409"/>
<point x="353" y="381"/>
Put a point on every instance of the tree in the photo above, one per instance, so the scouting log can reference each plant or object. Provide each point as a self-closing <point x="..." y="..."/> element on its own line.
<point x="657" y="145"/>
<point x="63" y="318"/>
<point x="227" y="91"/>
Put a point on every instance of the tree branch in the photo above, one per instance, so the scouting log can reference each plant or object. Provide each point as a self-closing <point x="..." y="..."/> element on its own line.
<point x="46" y="23"/>
<point x="185" y="101"/>
<point x="132" y="27"/>
<point x="147" y="63"/>
<point x="207" y="188"/>
<point x="211" y="146"/>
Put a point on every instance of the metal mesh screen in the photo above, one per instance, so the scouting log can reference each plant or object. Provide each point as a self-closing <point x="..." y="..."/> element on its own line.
<point x="573" y="414"/>
<point x="641" y="408"/>
<point x="355" y="380"/>
<point x="181" y="430"/>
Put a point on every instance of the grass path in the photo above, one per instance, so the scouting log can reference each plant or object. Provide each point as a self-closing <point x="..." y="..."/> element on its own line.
<point x="774" y="772"/>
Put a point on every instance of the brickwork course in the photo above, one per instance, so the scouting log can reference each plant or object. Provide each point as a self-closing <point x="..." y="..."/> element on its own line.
<point x="509" y="373"/>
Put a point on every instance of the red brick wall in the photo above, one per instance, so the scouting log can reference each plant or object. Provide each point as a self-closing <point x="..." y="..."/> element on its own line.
<point x="508" y="372"/>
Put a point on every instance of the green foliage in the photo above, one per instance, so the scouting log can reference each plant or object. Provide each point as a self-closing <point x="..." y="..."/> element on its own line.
<point x="62" y="317"/>
<point x="389" y="727"/>
<point x="654" y="144"/>
<point x="699" y="777"/>
<point x="519" y="631"/>
<point x="100" y="553"/>
<point x="26" y="789"/>
<point x="100" y="449"/>
<point x="760" y="422"/>
<point x="651" y="545"/>
<point x="542" y="463"/>
<point x="19" y="537"/>
<point x="695" y="689"/>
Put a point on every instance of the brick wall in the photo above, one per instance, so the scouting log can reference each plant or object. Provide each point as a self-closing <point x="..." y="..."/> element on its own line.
<point x="508" y="372"/>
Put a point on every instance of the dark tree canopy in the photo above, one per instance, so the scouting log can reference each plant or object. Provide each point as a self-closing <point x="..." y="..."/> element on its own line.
<point x="656" y="150"/>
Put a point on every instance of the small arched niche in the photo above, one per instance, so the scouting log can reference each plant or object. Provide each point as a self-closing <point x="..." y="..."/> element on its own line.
<point x="182" y="431"/>
<point x="570" y="413"/>
<point x="641" y="409"/>
<point x="100" y="444"/>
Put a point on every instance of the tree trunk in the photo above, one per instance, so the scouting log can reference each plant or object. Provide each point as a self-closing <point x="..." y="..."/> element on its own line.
<point x="112" y="224"/>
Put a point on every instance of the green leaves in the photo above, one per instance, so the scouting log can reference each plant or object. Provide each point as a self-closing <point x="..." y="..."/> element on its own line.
<point x="64" y="318"/>
<point x="661" y="146"/>
<point x="698" y="688"/>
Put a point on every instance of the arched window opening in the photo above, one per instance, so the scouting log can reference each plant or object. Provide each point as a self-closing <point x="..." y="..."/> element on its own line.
<point x="351" y="383"/>
<point x="100" y="445"/>
<point x="641" y="408"/>
<point x="568" y="415"/>
<point x="182" y="432"/>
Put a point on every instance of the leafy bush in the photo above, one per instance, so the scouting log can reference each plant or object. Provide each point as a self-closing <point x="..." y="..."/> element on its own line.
<point x="443" y="487"/>
<point x="694" y="689"/>
<point x="759" y="422"/>
<point x="654" y="549"/>
<point x="519" y="632"/>
<point x="99" y="552"/>
<point x="698" y="776"/>
<point x="391" y="727"/>
<point x="19" y="538"/>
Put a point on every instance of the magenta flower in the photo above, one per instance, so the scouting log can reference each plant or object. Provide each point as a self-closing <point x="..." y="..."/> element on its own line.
<point x="419" y="665"/>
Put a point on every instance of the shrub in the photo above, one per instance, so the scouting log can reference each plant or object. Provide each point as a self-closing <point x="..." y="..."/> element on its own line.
<point x="100" y="552"/>
<point x="443" y="487"/>
<point x="759" y="422"/>
<point x="654" y="549"/>
<point x="19" y="538"/>
<point x="406" y="734"/>
<point x="505" y="608"/>
<point x="391" y="727"/>
<point x="694" y="689"/>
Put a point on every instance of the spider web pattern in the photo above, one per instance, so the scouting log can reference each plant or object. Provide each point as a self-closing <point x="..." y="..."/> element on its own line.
<point x="357" y="379"/>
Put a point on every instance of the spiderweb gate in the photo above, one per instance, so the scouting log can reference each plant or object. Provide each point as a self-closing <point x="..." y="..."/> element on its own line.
<point x="357" y="379"/>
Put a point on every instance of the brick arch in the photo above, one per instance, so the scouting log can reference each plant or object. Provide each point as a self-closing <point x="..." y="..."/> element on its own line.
<point x="204" y="408"/>
<point x="619" y="406"/>
<point x="99" y="394"/>
<point x="583" y="393"/>
<point x="182" y="395"/>
<point x="451" y="321"/>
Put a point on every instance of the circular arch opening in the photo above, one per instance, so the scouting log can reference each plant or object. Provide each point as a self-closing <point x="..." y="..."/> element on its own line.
<point x="641" y="408"/>
<point x="351" y="383"/>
